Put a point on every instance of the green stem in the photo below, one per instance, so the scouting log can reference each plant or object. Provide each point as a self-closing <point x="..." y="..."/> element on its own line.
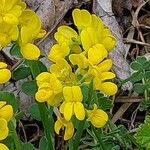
<point x="15" y="136"/>
<point x="42" y="108"/>
<point x="98" y="135"/>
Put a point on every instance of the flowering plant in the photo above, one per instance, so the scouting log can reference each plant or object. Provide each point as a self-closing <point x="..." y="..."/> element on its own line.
<point x="73" y="85"/>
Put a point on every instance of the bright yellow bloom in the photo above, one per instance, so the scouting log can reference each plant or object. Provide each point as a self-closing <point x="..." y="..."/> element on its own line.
<point x="82" y="18"/>
<point x="3" y="147"/>
<point x="58" y="51"/>
<point x="73" y="103"/>
<point x="30" y="30"/>
<point x="3" y="129"/>
<point x="49" y="89"/>
<point x="6" y="113"/>
<point x="69" y="129"/>
<point x="102" y="84"/>
<point x="97" y="117"/>
<point x="8" y="33"/>
<point x="10" y="10"/>
<point x="5" y="74"/>
<point x="66" y="34"/>
<point x="79" y="59"/>
<point x="63" y="71"/>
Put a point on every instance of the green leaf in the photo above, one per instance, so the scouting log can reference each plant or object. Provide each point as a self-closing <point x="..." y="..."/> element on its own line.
<point x="19" y="116"/>
<point x="147" y="74"/>
<point x="104" y="102"/>
<point x="136" y="66"/>
<point x="139" y="88"/>
<point x="21" y="73"/>
<point x="136" y="76"/>
<point x="141" y="59"/>
<point x="28" y="146"/>
<point x="36" y="67"/>
<point x="10" y="99"/>
<point x="34" y="111"/>
<point x="15" y="50"/>
<point x="29" y="88"/>
<point x="43" y="145"/>
<point x="142" y="136"/>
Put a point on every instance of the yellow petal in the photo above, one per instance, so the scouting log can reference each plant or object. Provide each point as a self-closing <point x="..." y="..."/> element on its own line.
<point x="55" y="100"/>
<point x="106" y="65"/>
<point x="99" y="118"/>
<point x="82" y="18"/>
<point x="43" y="77"/>
<point x="3" y="129"/>
<point x="97" y="53"/>
<point x="41" y="33"/>
<point x="6" y="112"/>
<point x="58" y="52"/>
<point x="14" y="33"/>
<point x="79" y="110"/>
<point x="86" y="39"/>
<point x="69" y="131"/>
<point x="67" y="93"/>
<point x="67" y="32"/>
<point x="79" y="59"/>
<point x="5" y="75"/>
<point x="3" y="147"/>
<point x="77" y="94"/>
<point x="43" y="95"/>
<point x="4" y="40"/>
<point x="108" y="88"/>
<point x="58" y="125"/>
<point x="109" y="42"/>
<point x="3" y="65"/>
<point x="30" y="51"/>
<point x="68" y="110"/>
<point x="106" y="75"/>
<point x="61" y="68"/>
<point x="10" y="19"/>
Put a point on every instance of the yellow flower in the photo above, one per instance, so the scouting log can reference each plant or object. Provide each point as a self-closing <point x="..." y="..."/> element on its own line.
<point x="97" y="33"/>
<point x="82" y="18"/>
<point x="79" y="59"/>
<point x="30" y="30"/>
<point x="49" y="89"/>
<point x="69" y="129"/>
<point x="63" y="71"/>
<point x="6" y="113"/>
<point x="5" y="74"/>
<point x="58" y="51"/>
<point x="8" y="33"/>
<point x="3" y="147"/>
<point x="3" y="129"/>
<point x="97" y="117"/>
<point x="73" y="103"/>
<point x="10" y="10"/>
<point x="66" y="34"/>
<point x="102" y="84"/>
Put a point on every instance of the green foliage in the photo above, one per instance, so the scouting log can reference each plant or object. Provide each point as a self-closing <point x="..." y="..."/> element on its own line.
<point x="34" y="111"/>
<point x="143" y="134"/>
<point x="29" y="88"/>
<point x="141" y="80"/>
<point x="21" y="72"/>
<point x="43" y="145"/>
<point x="15" y="50"/>
<point x="28" y="146"/>
<point x="10" y="99"/>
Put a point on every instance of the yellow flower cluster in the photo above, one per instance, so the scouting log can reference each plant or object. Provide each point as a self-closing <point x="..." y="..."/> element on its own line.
<point x="5" y="73"/>
<point x="6" y="113"/>
<point x="20" y="24"/>
<point x="83" y="54"/>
